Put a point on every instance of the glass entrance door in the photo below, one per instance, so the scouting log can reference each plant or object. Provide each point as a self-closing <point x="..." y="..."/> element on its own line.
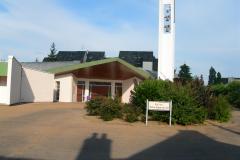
<point x="80" y="91"/>
<point x="98" y="89"/>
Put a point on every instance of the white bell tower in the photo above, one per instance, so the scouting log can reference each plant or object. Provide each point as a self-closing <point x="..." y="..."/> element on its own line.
<point x="166" y="43"/>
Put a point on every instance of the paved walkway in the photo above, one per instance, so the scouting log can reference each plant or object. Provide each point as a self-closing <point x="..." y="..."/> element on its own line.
<point x="63" y="132"/>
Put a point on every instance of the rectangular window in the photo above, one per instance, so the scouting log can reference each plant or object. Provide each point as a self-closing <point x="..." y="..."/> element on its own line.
<point x="167" y="18"/>
<point x="80" y="91"/>
<point x="3" y="81"/>
<point x="98" y="89"/>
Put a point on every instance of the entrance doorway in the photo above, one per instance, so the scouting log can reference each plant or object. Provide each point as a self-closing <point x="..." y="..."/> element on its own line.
<point x="57" y="91"/>
<point x="80" y="91"/>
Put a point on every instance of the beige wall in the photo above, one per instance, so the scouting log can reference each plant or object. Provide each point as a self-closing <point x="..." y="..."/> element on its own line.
<point x="37" y="86"/>
<point x="128" y="86"/>
<point x="4" y="95"/>
<point x="66" y="87"/>
<point x="74" y="91"/>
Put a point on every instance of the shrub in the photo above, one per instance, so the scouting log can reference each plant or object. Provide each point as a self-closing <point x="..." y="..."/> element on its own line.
<point x="221" y="109"/>
<point x="151" y="90"/>
<point x="94" y="105"/>
<point x="110" y="109"/>
<point x="199" y="92"/>
<point x="233" y="94"/>
<point x="131" y="113"/>
<point x="186" y="110"/>
<point x="219" y="89"/>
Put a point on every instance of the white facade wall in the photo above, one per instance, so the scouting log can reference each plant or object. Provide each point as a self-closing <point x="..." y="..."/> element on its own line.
<point x="4" y="91"/>
<point x="10" y="93"/>
<point x="37" y="86"/>
<point x="15" y="78"/>
<point x="66" y="87"/>
<point x="128" y="86"/>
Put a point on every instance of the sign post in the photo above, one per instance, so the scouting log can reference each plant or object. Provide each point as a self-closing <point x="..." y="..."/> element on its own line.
<point x="159" y="106"/>
<point x="147" y="113"/>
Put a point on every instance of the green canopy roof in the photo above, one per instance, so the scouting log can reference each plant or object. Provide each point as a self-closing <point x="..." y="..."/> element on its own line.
<point x="66" y="69"/>
<point x="3" y="68"/>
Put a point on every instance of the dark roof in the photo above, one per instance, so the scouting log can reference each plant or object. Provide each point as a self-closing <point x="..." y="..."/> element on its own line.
<point x="80" y="55"/>
<point x="136" y="58"/>
<point x="94" y="56"/>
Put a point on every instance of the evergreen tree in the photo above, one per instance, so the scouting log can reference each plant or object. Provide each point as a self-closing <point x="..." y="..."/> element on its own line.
<point x="218" y="78"/>
<point x="185" y="74"/>
<point x="212" y="76"/>
<point x="52" y="56"/>
<point x="201" y="80"/>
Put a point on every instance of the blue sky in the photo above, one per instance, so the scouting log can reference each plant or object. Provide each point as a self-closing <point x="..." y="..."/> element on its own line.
<point x="207" y="31"/>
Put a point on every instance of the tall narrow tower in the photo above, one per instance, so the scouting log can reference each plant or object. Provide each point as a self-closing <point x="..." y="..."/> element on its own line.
<point x="166" y="46"/>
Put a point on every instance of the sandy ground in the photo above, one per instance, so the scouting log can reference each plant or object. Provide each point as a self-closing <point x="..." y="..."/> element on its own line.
<point x="63" y="131"/>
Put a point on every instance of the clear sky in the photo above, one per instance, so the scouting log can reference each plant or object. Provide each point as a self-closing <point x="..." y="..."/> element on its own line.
<point x="207" y="31"/>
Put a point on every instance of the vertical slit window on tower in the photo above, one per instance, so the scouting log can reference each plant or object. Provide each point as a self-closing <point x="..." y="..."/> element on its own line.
<point x="167" y="18"/>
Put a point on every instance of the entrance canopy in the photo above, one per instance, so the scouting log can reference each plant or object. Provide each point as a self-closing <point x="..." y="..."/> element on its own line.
<point x="111" y="68"/>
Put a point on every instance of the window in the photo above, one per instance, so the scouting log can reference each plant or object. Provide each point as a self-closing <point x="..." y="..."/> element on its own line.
<point x="99" y="89"/>
<point x="3" y="81"/>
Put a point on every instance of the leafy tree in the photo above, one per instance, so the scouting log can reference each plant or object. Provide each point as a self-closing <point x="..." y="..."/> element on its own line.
<point x="184" y="74"/>
<point x="212" y="76"/>
<point x="233" y="91"/>
<point x="52" y="57"/>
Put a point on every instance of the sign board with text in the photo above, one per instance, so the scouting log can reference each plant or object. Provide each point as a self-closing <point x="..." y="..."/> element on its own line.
<point x="159" y="106"/>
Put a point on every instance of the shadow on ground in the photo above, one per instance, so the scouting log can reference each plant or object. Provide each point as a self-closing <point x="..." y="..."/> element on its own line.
<point x="186" y="145"/>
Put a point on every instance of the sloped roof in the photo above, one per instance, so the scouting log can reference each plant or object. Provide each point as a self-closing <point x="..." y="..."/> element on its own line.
<point x="79" y="56"/>
<point x="43" y="66"/>
<point x="67" y="69"/>
<point x="3" y="68"/>
<point x="136" y="58"/>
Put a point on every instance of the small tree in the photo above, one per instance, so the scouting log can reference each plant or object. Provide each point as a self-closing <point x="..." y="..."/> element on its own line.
<point x="184" y="74"/>
<point x="212" y="76"/>
<point x="52" y="57"/>
<point x="201" y="80"/>
<point x="218" y="78"/>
